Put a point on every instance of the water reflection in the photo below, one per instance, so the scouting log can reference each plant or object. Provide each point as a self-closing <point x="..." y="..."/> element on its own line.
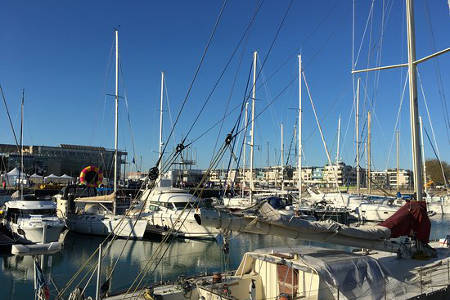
<point x="181" y="257"/>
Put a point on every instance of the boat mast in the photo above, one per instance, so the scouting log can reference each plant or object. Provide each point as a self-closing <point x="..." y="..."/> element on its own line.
<point x="252" y="142"/>
<point x="398" y="158"/>
<point x="369" y="152"/>
<point x="423" y="155"/>
<point x="338" y="139"/>
<point x="415" y="141"/>
<point x="414" y="117"/>
<point x="358" y="169"/>
<point x="299" y="162"/>
<point x="244" y="177"/>
<point x="21" y="145"/>
<point x="116" y="118"/>
<point x="161" y="122"/>
<point x="282" y="159"/>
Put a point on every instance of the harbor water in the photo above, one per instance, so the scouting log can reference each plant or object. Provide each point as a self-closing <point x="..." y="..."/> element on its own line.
<point x="187" y="257"/>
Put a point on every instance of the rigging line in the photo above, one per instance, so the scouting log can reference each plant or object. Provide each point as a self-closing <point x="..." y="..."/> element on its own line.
<point x="428" y="112"/>
<point x="397" y="120"/>
<point x="231" y="93"/>
<point x="9" y="118"/>
<point x="158" y="250"/>
<point x="168" y="105"/>
<point x="269" y="96"/>
<point x="366" y="103"/>
<point x="320" y="130"/>
<point x="230" y="59"/>
<point x="347" y="128"/>
<point x="438" y="72"/>
<point x="219" y="17"/>
<point x="225" y="116"/>
<point x="128" y="111"/>
<point x="107" y="71"/>
<point x="290" y="145"/>
<point x="148" y="266"/>
<point x="271" y="46"/>
<point x="437" y="157"/>
<point x="384" y="20"/>
<point x="270" y="103"/>
<point x="214" y="125"/>
<point x="295" y="53"/>
<point x="364" y="34"/>
<point x="280" y="26"/>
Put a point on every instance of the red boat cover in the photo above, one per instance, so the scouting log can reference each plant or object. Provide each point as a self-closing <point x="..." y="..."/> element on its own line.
<point x="411" y="219"/>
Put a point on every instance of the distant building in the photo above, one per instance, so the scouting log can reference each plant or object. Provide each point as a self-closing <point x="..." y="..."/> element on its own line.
<point x="403" y="181"/>
<point x="340" y="173"/>
<point x="379" y="178"/>
<point x="65" y="159"/>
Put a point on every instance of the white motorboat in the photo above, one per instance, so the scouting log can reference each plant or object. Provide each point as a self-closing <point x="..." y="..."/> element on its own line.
<point x="373" y="211"/>
<point x="172" y="208"/>
<point x="30" y="219"/>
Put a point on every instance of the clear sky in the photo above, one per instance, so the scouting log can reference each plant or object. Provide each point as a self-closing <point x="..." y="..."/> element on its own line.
<point x="60" y="52"/>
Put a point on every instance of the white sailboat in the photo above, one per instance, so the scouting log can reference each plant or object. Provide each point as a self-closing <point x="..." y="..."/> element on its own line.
<point x="91" y="216"/>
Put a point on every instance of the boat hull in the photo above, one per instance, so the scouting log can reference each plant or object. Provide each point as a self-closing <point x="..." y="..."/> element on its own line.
<point x="121" y="226"/>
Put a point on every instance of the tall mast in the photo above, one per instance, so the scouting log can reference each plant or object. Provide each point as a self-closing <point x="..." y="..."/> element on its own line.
<point x="423" y="155"/>
<point x="161" y="122"/>
<point x="415" y="141"/>
<point x="369" y="152"/>
<point x="252" y="143"/>
<point x="358" y="169"/>
<point x="116" y="118"/>
<point x="299" y="162"/>
<point x="282" y="159"/>
<point x="21" y="145"/>
<point x="245" y="147"/>
<point x="338" y="140"/>
<point x="398" y="159"/>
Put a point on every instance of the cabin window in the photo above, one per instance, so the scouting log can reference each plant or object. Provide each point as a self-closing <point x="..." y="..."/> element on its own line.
<point x="28" y="212"/>
<point x="181" y="205"/>
<point x="153" y="207"/>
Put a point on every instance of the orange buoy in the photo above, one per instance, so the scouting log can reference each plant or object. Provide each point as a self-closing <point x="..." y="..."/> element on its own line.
<point x="91" y="176"/>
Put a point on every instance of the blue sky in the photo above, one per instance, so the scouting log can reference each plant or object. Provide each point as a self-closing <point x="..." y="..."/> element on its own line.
<point x="60" y="53"/>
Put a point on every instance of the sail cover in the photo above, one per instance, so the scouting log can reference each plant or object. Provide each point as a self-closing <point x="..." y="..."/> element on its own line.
<point x="368" y="232"/>
<point x="411" y="217"/>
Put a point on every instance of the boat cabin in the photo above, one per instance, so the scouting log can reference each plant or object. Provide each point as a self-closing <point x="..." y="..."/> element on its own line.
<point x="299" y="273"/>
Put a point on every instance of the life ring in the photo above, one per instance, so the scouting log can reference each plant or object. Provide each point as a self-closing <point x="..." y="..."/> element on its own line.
<point x="91" y="176"/>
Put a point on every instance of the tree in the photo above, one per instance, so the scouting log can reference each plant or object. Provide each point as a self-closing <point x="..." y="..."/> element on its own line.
<point x="434" y="171"/>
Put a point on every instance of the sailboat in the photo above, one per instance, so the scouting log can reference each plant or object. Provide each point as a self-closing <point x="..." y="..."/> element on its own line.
<point x="169" y="208"/>
<point x="93" y="217"/>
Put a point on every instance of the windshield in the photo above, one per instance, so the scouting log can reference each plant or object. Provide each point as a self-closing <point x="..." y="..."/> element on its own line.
<point x="181" y="205"/>
<point x="26" y="212"/>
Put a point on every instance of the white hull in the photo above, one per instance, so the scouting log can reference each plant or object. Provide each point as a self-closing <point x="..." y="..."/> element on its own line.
<point x="185" y="223"/>
<point x="375" y="212"/>
<point x="34" y="232"/>
<point x="122" y="226"/>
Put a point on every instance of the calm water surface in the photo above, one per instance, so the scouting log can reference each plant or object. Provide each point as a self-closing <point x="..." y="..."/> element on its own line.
<point x="182" y="257"/>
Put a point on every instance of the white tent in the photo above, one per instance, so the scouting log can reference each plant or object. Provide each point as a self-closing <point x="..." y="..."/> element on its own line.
<point x="36" y="179"/>
<point x="51" y="178"/>
<point x="12" y="177"/>
<point x="66" y="178"/>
